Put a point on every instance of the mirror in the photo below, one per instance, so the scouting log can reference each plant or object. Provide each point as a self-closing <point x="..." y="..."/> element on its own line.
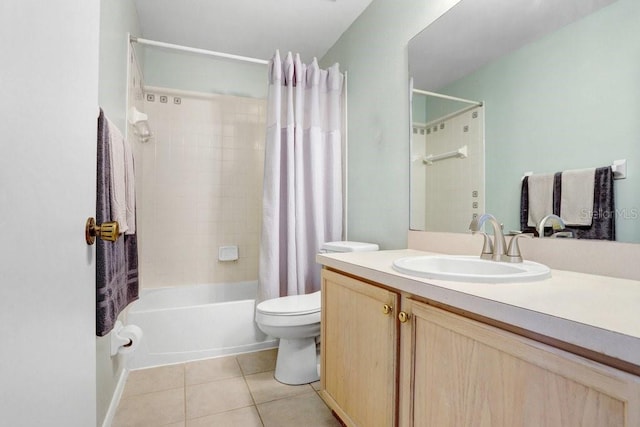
<point x="559" y="82"/>
<point x="447" y="162"/>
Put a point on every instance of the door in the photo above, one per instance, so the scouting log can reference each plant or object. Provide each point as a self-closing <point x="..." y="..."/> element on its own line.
<point x="48" y="110"/>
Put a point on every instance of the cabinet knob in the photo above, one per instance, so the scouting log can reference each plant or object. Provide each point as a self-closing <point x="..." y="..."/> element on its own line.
<point x="403" y="317"/>
<point x="387" y="309"/>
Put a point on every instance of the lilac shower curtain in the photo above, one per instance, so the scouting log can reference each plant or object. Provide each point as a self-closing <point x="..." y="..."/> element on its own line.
<point x="302" y="193"/>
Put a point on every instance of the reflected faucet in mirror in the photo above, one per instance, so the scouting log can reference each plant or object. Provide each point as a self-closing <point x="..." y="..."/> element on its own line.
<point x="557" y="225"/>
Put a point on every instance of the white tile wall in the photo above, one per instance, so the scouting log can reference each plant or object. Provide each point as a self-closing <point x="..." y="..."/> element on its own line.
<point x="450" y="183"/>
<point x="200" y="187"/>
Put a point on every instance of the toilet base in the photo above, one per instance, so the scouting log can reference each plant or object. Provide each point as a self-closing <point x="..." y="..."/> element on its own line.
<point x="297" y="361"/>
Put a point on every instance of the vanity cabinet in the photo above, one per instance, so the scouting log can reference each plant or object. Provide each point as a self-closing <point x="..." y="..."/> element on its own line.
<point x="419" y="365"/>
<point x="467" y="373"/>
<point x="359" y="351"/>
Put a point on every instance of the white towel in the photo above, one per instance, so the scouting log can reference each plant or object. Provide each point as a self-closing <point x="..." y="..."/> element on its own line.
<point x="576" y="201"/>
<point x="122" y="189"/>
<point x="540" y="198"/>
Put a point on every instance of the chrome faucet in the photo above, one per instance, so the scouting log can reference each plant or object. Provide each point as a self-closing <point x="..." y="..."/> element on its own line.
<point x="497" y="250"/>
<point x="556" y="223"/>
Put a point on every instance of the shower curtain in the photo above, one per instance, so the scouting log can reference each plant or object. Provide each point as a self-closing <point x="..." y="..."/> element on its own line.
<point x="302" y="189"/>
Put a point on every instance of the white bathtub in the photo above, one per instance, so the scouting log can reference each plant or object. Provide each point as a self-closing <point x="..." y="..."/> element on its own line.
<point x="195" y="322"/>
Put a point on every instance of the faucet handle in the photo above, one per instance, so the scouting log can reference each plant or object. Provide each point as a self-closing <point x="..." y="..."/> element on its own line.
<point x="487" y="246"/>
<point x="513" y="252"/>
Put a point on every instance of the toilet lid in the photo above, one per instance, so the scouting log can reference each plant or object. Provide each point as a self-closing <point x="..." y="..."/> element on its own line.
<point x="291" y="305"/>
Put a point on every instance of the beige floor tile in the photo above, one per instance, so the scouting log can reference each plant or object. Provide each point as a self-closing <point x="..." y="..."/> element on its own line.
<point x="218" y="396"/>
<point x="305" y="410"/>
<point x="244" y="417"/>
<point x="316" y="385"/>
<point x="265" y="388"/>
<point x="154" y="379"/>
<point x="178" y="424"/>
<point x="260" y="361"/>
<point x="205" y="371"/>
<point x="151" y="409"/>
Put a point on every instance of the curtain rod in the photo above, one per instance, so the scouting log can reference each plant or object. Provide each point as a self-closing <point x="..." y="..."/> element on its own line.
<point x="451" y="98"/>
<point x="197" y="50"/>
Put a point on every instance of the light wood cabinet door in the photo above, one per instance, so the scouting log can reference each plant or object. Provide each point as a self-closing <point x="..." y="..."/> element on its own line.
<point x="359" y="351"/>
<point x="465" y="373"/>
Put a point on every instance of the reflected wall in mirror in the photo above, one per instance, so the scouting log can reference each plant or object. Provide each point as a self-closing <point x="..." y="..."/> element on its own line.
<point x="560" y="83"/>
<point x="447" y="163"/>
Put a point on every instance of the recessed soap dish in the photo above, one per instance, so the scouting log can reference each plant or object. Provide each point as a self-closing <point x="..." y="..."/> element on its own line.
<point x="228" y="253"/>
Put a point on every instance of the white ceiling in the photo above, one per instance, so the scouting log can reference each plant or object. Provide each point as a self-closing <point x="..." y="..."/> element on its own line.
<point x="254" y="28"/>
<point x="474" y="32"/>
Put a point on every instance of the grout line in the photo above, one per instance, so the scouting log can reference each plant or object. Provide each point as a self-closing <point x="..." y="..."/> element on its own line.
<point x="290" y="396"/>
<point x="255" y="405"/>
<point x="150" y="392"/>
<point x="240" y="366"/>
<point x="184" y="391"/>
<point x="253" y="399"/>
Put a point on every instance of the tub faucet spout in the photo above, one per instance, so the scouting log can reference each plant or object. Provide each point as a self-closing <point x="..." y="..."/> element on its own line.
<point x="499" y="244"/>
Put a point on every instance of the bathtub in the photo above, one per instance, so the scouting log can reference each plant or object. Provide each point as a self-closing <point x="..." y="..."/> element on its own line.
<point x="195" y="322"/>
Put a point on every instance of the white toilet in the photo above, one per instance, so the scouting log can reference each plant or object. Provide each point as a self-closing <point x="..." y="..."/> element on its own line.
<point x="295" y="320"/>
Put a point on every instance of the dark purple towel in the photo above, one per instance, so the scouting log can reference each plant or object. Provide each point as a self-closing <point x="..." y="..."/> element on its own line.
<point x="603" y="226"/>
<point x="116" y="262"/>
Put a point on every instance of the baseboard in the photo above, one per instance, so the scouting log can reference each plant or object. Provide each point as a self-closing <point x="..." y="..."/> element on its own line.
<point x="115" y="399"/>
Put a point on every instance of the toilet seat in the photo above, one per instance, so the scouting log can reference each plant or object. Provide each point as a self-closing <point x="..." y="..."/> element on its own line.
<point x="291" y="305"/>
<point x="291" y="310"/>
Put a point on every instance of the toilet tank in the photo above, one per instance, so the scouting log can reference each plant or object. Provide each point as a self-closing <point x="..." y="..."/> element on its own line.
<point x="348" y="246"/>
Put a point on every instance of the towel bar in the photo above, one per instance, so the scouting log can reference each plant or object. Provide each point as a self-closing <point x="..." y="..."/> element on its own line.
<point x="460" y="153"/>
<point x="619" y="168"/>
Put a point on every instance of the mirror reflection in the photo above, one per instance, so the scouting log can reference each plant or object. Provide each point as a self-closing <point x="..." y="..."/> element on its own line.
<point x="447" y="162"/>
<point x="559" y="82"/>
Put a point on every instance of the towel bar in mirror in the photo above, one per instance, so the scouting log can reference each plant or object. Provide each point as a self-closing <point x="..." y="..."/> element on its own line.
<point x="107" y="231"/>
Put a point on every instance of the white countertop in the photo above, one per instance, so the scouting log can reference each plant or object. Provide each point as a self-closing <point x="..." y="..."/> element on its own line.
<point x="598" y="313"/>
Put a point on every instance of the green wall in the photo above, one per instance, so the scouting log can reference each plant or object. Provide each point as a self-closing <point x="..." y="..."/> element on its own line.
<point x="569" y="100"/>
<point x="419" y="108"/>
<point x="527" y="128"/>
<point x="191" y="72"/>
<point x="374" y="53"/>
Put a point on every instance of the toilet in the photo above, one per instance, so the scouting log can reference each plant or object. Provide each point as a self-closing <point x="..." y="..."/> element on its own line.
<point x="295" y="320"/>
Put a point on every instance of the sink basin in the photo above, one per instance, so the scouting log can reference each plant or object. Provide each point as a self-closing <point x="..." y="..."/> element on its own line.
<point x="471" y="269"/>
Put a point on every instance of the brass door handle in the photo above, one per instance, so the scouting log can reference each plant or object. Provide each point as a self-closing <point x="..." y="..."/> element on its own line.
<point x="387" y="309"/>
<point x="403" y="317"/>
<point x="108" y="231"/>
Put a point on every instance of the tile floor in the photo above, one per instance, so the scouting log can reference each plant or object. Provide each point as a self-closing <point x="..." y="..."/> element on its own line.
<point x="228" y="391"/>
